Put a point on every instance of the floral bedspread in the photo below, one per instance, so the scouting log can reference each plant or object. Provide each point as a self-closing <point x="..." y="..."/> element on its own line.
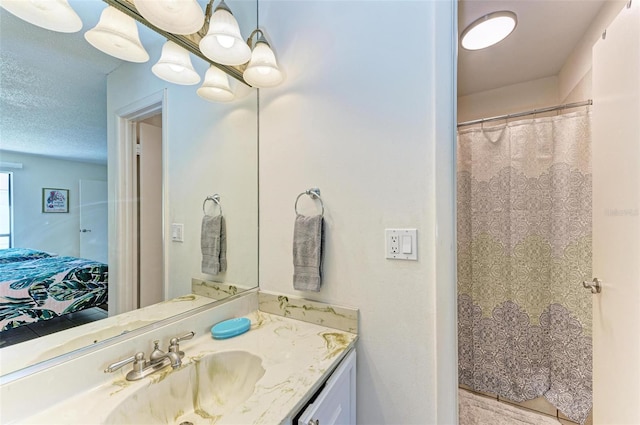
<point x="11" y="255"/>
<point x="41" y="289"/>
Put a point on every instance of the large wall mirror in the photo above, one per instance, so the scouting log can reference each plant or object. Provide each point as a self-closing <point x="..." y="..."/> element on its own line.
<point x="103" y="161"/>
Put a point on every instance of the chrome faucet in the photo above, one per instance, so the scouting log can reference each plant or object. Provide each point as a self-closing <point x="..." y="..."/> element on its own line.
<point x="157" y="360"/>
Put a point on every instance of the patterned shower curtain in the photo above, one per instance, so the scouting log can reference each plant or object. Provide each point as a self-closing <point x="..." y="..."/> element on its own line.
<point x="524" y="248"/>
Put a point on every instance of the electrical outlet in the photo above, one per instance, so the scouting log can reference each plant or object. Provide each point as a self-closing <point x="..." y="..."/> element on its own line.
<point x="394" y="247"/>
<point x="401" y="244"/>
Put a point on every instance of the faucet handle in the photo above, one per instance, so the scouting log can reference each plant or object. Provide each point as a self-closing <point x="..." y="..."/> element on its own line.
<point x="183" y="337"/>
<point x="173" y="342"/>
<point x="137" y="359"/>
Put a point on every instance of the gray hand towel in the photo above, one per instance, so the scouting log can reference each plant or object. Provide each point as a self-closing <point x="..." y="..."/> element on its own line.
<point x="223" y="244"/>
<point x="213" y="242"/>
<point x="307" y="253"/>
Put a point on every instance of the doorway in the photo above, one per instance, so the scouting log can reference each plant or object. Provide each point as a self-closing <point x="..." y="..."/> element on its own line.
<point x="137" y="247"/>
<point x="149" y="219"/>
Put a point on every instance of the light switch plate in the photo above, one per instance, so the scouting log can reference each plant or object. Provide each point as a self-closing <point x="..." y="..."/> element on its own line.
<point x="177" y="232"/>
<point x="401" y="244"/>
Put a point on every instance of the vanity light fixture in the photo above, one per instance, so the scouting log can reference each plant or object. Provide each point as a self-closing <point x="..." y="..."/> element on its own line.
<point x="489" y="30"/>
<point x="213" y="37"/>
<point x="262" y="70"/>
<point x="175" y="16"/>
<point x="216" y="86"/>
<point x="175" y="66"/>
<point x="116" y="34"/>
<point x="54" y="15"/>
<point x="223" y="42"/>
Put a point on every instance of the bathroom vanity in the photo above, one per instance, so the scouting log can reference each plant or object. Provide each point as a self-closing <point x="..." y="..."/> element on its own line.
<point x="282" y="371"/>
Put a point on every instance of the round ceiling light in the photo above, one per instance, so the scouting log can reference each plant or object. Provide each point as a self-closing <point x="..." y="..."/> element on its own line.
<point x="489" y="30"/>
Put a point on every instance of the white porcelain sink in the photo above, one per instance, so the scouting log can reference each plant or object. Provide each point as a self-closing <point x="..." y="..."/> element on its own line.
<point x="199" y="392"/>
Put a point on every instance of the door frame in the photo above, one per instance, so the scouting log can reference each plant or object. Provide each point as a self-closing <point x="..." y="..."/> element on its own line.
<point x="122" y="211"/>
<point x="443" y="196"/>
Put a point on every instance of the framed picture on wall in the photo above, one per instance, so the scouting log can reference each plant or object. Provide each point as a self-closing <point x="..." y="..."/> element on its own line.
<point x="55" y="200"/>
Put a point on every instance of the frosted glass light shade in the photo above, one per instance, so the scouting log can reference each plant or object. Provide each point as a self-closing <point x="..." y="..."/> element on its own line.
<point x="175" y="66"/>
<point x="216" y="86"/>
<point x="117" y="35"/>
<point x="488" y="30"/>
<point x="54" y="15"/>
<point x="224" y="43"/>
<point x="174" y="16"/>
<point x="262" y="70"/>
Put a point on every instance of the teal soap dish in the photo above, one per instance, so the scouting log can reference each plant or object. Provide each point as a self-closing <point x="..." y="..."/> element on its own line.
<point x="230" y="328"/>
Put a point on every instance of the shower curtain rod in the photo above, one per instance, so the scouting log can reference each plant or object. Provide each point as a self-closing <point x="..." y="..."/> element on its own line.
<point x="523" y="114"/>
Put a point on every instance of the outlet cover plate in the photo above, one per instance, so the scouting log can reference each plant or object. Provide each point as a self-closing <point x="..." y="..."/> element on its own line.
<point x="401" y="244"/>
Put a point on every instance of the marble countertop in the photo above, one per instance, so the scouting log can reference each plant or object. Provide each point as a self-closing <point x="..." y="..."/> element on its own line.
<point x="296" y="356"/>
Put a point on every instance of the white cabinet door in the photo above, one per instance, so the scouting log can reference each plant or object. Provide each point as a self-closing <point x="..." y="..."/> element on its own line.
<point x="93" y="220"/>
<point x="336" y="404"/>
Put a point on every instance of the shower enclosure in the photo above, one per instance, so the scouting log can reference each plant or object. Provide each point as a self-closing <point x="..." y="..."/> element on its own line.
<point x="524" y="249"/>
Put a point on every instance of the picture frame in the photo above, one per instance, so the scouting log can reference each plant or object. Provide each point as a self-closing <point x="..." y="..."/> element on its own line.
<point x="55" y="200"/>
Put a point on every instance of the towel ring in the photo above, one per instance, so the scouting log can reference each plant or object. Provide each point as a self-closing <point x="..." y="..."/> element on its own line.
<point x="314" y="193"/>
<point x="215" y="199"/>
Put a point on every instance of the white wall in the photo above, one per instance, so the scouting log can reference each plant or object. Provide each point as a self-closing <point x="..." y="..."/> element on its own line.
<point x="509" y="99"/>
<point x="211" y="148"/>
<point x="53" y="232"/>
<point x="368" y="118"/>
<point x="578" y="64"/>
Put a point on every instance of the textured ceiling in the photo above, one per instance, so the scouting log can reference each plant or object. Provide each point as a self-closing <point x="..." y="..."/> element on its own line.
<point x="547" y="32"/>
<point x="53" y="91"/>
<point x="53" y="87"/>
